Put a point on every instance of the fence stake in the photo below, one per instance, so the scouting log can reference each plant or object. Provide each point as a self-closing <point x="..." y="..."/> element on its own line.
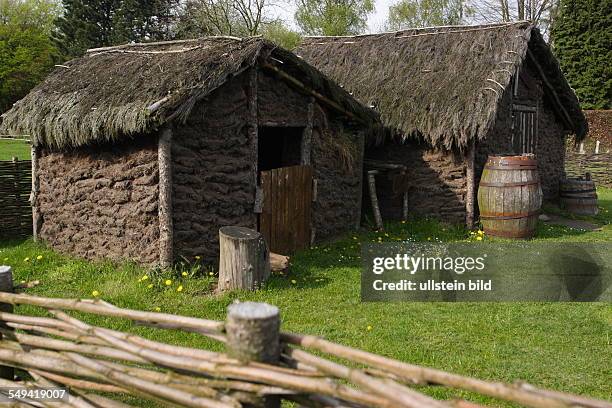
<point x="6" y="285"/>
<point x="253" y="335"/>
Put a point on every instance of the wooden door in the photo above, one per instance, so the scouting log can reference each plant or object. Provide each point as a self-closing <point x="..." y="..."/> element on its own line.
<point x="524" y="129"/>
<point x="287" y="200"/>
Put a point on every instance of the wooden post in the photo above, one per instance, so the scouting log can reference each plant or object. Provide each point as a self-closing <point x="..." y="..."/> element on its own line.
<point x="597" y="147"/>
<point x="253" y="132"/>
<point x="244" y="262"/>
<point x="6" y="285"/>
<point x="374" y="198"/>
<point x="164" y="160"/>
<point x="581" y="151"/>
<point x="307" y="133"/>
<point x="405" y="206"/>
<point x="470" y="187"/>
<point x="34" y="195"/>
<point x="362" y="140"/>
<point x="253" y="335"/>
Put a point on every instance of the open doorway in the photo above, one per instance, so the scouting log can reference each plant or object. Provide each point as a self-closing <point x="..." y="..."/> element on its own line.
<point x="279" y="147"/>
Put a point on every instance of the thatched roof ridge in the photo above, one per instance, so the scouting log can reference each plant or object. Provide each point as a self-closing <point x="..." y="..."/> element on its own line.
<point x="118" y="92"/>
<point x="440" y="83"/>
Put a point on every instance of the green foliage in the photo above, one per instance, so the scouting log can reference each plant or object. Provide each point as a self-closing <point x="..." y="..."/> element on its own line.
<point x="582" y="42"/>
<point x="96" y="23"/>
<point x="426" y="13"/>
<point x="333" y="17"/>
<point x="281" y="35"/>
<point x="26" y="51"/>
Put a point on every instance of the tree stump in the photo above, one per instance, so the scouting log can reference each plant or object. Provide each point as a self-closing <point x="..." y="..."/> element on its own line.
<point x="243" y="259"/>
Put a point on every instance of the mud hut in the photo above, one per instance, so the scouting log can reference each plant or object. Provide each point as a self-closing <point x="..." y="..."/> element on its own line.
<point x="143" y="151"/>
<point x="448" y="97"/>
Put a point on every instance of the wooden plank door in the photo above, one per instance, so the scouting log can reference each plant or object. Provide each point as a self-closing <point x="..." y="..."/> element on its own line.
<point x="524" y="129"/>
<point x="287" y="201"/>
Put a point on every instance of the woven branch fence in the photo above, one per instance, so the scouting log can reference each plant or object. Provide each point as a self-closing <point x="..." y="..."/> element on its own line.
<point x="261" y="366"/>
<point x="599" y="165"/>
<point x="15" y="208"/>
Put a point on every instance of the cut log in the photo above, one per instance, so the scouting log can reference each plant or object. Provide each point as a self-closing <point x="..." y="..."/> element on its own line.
<point x="243" y="259"/>
<point x="278" y="262"/>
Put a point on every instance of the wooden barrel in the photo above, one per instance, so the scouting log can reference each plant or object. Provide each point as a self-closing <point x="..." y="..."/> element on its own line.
<point x="579" y="196"/>
<point x="510" y="196"/>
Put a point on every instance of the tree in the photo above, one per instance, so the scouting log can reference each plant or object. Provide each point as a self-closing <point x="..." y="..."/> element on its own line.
<point x="27" y="53"/>
<point x="333" y="17"/>
<point x="582" y="39"/>
<point x="540" y="12"/>
<point x="426" y="13"/>
<point x="281" y="35"/>
<point x="224" y="17"/>
<point x="95" y="23"/>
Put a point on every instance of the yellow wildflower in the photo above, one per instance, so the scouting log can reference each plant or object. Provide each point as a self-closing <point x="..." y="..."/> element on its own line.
<point x="168" y="282"/>
<point x="198" y="257"/>
<point x="293" y="281"/>
<point x="145" y="277"/>
<point x="158" y="309"/>
<point x="39" y="257"/>
<point x="479" y="238"/>
<point x="180" y="288"/>
<point x="369" y="328"/>
<point x="95" y="293"/>
<point x="480" y="232"/>
<point x="211" y="273"/>
<point x="184" y="274"/>
<point x="26" y="260"/>
<point x="150" y="286"/>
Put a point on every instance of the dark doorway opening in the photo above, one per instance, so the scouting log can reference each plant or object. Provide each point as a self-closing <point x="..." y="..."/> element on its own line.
<point x="279" y="147"/>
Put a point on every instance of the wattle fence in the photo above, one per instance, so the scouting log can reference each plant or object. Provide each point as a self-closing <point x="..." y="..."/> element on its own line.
<point x="15" y="209"/>
<point x="260" y="367"/>
<point x="599" y="165"/>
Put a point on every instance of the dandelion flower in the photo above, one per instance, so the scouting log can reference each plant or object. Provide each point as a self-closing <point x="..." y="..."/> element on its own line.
<point x="369" y="328"/>
<point x="95" y="293"/>
<point x="198" y="257"/>
<point x="158" y="309"/>
<point x="150" y="286"/>
<point x="479" y="238"/>
<point x="180" y="288"/>
<point x="145" y="277"/>
<point x="293" y="281"/>
<point x="39" y="257"/>
<point x="210" y="273"/>
<point x="168" y="282"/>
<point x="26" y="260"/>
<point x="480" y="232"/>
<point x="184" y="274"/>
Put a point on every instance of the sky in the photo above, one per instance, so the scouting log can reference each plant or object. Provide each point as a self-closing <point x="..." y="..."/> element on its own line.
<point x="376" y="20"/>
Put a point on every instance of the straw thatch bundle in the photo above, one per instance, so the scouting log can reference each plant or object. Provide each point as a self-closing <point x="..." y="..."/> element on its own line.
<point x="114" y="92"/>
<point x="443" y="83"/>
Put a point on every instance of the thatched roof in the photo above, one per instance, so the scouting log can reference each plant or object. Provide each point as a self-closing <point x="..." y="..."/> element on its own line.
<point x="441" y="83"/>
<point x="118" y="92"/>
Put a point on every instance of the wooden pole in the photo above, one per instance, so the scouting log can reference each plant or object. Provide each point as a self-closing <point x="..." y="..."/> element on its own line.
<point x="253" y="132"/>
<point x="244" y="262"/>
<point x="307" y="133"/>
<point x="6" y="285"/>
<point x="253" y="336"/>
<point x="34" y="195"/>
<point x="470" y="187"/>
<point x="374" y="198"/>
<point x="164" y="160"/>
<point x="405" y="206"/>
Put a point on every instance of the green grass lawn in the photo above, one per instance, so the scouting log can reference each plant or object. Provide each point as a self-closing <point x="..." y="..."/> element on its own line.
<point x="14" y="148"/>
<point x="563" y="346"/>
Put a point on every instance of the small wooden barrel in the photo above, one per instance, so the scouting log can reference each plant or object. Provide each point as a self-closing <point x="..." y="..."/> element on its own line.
<point x="510" y="196"/>
<point x="579" y="196"/>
